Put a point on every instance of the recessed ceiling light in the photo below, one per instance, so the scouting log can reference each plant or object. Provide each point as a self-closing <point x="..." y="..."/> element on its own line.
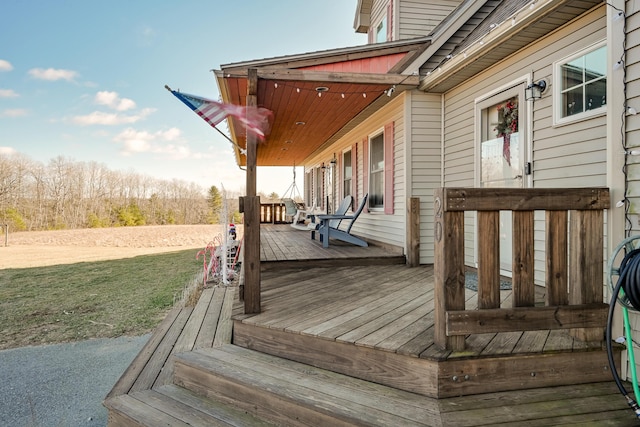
<point x="301" y="123"/>
<point x="322" y="89"/>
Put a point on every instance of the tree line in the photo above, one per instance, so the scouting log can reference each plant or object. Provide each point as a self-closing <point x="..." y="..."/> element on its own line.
<point x="66" y="194"/>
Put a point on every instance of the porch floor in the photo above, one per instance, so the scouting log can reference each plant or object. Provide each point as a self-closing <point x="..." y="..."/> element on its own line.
<point x="282" y="246"/>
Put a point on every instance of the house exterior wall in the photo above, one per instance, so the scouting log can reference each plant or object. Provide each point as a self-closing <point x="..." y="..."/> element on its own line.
<point x="410" y="18"/>
<point x="424" y="156"/>
<point x="417" y="18"/>
<point x="632" y="136"/>
<point x="572" y="155"/>
<point x="376" y="226"/>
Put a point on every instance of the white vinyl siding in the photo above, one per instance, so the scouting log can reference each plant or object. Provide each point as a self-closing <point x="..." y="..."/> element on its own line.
<point x="424" y="143"/>
<point x="417" y="18"/>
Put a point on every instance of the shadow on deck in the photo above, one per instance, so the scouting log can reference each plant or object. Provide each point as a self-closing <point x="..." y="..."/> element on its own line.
<point x="353" y="345"/>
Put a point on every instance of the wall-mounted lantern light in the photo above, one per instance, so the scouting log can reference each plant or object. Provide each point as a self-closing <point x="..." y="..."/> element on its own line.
<point x="534" y="90"/>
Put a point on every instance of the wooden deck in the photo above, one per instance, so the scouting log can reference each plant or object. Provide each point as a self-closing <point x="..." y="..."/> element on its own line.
<point x="283" y="247"/>
<point x="353" y="345"/>
<point x="377" y="323"/>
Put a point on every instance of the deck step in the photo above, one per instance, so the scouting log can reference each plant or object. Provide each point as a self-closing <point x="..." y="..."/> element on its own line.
<point x="170" y="405"/>
<point x="290" y="393"/>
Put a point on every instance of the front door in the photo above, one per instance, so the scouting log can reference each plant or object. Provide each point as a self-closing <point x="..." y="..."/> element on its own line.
<point x="502" y="138"/>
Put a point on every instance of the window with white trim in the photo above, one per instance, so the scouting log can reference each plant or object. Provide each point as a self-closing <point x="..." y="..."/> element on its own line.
<point x="347" y="173"/>
<point x="376" y="172"/>
<point x="581" y="85"/>
<point x="319" y="187"/>
<point x="381" y="30"/>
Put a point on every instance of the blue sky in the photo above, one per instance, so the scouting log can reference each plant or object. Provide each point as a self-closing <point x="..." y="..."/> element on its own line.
<point x="85" y="79"/>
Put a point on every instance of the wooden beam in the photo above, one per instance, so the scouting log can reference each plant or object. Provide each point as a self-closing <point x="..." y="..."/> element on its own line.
<point x="518" y="199"/>
<point x="493" y="320"/>
<point x="288" y="74"/>
<point x="251" y="262"/>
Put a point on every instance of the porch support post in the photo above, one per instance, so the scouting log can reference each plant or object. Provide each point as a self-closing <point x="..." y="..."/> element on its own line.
<point x="251" y="262"/>
<point x="413" y="231"/>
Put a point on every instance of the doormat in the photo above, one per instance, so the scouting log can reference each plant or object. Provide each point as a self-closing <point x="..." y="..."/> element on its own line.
<point x="471" y="282"/>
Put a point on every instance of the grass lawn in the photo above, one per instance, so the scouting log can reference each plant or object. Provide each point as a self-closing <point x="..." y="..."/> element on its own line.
<point x="91" y="299"/>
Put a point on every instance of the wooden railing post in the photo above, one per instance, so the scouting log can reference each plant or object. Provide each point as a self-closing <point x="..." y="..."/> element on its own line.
<point x="413" y="231"/>
<point x="448" y="270"/>
<point x="251" y="261"/>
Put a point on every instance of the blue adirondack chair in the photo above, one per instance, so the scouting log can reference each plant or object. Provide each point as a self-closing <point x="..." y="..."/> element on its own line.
<point x="330" y="227"/>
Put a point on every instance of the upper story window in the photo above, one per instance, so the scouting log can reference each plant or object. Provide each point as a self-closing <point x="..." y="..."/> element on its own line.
<point x="376" y="171"/>
<point x="381" y="30"/>
<point x="581" y="85"/>
<point x="347" y="173"/>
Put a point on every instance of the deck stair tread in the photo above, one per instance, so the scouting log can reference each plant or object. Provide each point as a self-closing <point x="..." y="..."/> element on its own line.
<point x="176" y="406"/>
<point x="309" y="395"/>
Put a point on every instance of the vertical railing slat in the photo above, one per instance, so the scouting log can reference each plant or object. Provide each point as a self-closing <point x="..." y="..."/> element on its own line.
<point x="488" y="259"/>
<point x="586" y="264"/>
<point x="556" y="258"/>
<point x="522" y="281"/>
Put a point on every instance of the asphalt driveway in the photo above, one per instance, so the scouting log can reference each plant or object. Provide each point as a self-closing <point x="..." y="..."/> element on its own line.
<point x="63" y="384"/>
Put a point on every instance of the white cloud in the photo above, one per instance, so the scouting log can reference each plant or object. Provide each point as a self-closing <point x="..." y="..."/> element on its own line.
<point x="7" y="150"/>
<point x="166" y="143"/>
<point x="8" y="93"/>
<point x="52" y="74"/>
<point x="146" y="36"/>
<point x="15" y="112"/>
<point x="5" y="65"/>
<point x="111" y="119"/>
<point x="113" y="101"/>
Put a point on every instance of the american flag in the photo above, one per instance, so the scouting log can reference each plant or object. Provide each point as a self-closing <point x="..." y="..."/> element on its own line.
<point x="255" y="119"/>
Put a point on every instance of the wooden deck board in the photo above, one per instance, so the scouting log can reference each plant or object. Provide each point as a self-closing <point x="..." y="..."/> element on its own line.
<point x="224" y="329"/>
<point x="281" y="243"/>
<point x="212" y="317"/>
<point x="152" y="369"/>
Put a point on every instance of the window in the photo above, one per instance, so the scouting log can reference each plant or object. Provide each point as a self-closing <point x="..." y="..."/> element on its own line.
<point x="319" y="182"/>
<point x="376" y="171"/>
<point x="347" y="173"/>
<point x="308" y="188"/>
<point x="581" y="84"/>
<point x="381" y="31"/>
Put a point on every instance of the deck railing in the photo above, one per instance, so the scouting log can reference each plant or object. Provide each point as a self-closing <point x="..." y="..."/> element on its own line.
<point x="273" y="213"/>
<point x="574" y="230"/>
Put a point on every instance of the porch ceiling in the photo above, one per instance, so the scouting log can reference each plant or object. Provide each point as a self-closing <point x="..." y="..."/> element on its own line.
<point x="356" y="81"/>
<point x="498" y="37"/>
<point x="304" y="118"/>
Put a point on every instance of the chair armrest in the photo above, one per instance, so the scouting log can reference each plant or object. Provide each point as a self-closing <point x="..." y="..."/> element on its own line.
<point x="330" y="217"/>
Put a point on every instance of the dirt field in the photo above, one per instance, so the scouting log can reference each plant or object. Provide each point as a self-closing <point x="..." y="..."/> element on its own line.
<point x="40" y="248"/>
